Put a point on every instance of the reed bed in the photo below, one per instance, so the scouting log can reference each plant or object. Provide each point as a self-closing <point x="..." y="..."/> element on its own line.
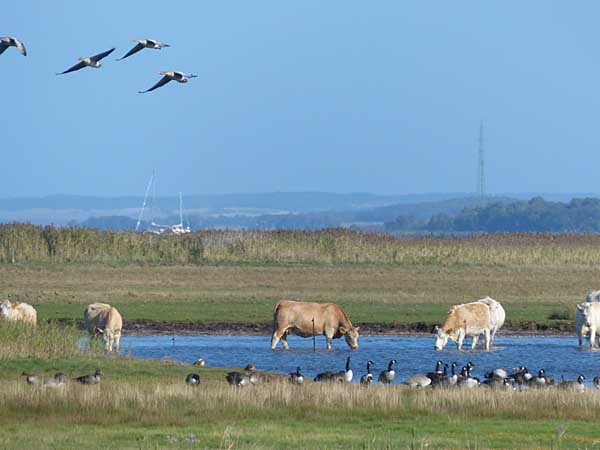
<point x="178" y="404"/>
<point x="29" y="243"/>
<point x="47" y="340"/>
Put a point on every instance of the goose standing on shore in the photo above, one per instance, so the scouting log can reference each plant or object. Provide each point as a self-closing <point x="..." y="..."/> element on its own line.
<point x="193" y="379"/>
<point x="30" y="377"/>
<point x="91" y="61"/>
<point x="367" y="379"/>
<point x="296" y="377"/>
<point x="142" y="44"/>
<point x="8" y="41"/>
<point x="387" y="376"/>
<point x="169" y="76"/>
<point x="90" y="379"/>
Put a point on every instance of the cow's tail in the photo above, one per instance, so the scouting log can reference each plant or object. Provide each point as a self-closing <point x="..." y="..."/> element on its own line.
<point x="276" y="307"/>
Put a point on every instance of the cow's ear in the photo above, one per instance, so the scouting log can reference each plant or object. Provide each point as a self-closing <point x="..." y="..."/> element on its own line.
<point x="343" y="330"/>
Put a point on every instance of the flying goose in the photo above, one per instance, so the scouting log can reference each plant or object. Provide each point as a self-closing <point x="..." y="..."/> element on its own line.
<point x="368" y="377"/>
<point x="7" y="41"/>
<point x="30" y="377"/>
<point x="91" y="61"/>
<point x="142" y="44"/>
<point x="90" y="379"/>
<point x="296" y="377"/>
<point x="387" y="376"/>
<point x="193" y="379"/>
<point x="168" y="76"/>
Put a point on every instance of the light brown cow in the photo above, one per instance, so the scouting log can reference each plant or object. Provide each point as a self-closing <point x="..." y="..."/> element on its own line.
<point x="470" y="319"/>
<point x="304" y="318"/>
<point x="104" y="319"/>
<point x="22" y="312"/>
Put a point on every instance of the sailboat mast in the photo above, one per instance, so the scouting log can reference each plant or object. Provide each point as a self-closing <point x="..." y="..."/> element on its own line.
<point x="137" y="225"/>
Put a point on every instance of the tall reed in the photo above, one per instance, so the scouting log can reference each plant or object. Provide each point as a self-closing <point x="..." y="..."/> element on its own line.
<point x="29" y="243"/>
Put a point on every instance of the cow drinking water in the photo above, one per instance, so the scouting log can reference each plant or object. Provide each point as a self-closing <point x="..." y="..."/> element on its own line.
<point x="101" y="318"/>
<point x="307" y="319"/>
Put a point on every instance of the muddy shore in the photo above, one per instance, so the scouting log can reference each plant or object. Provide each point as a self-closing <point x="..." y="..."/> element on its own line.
<point x="141" y="328"/>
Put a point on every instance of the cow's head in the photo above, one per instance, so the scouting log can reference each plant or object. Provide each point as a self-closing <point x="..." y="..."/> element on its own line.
<point x="441" y="338"/>
<point x="586" y="312"/>
<point x="5" y="308"/>
<point x="351" y="336"/>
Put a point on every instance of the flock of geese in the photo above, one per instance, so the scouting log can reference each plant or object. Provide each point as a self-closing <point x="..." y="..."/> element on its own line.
<point x="443" y="376"/>
<point x="60" y="379"/>
<point x="94" y="61"/>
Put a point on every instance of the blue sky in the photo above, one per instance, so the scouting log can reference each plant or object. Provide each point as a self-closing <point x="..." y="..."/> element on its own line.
<point x="340" y="96"/>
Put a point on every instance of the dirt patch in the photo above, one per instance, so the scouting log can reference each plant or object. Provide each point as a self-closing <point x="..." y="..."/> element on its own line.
<point x="147" y="328"/>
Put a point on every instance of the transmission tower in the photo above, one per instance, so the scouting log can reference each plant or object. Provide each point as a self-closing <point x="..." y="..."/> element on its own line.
<point x="480" y="166"/>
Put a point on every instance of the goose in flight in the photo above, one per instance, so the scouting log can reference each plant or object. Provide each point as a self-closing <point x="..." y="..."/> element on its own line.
<point x="91" y="61"/>
<point x="168" y="76"/>
<point x="7" y="41"/>
<point x="142" y="44"/>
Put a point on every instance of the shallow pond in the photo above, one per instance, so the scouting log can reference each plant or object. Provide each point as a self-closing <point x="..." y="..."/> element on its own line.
<point x="558" y="355"/>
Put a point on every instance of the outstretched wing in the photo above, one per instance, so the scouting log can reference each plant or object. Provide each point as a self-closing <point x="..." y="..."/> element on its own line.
<point x="21" y="47"/>
<point x="77" y="66"/>
<point x="164" y="80"/>
<point x="99" y="56"/>
<point x="135" y="49"/>
<point x="3" y="47"/>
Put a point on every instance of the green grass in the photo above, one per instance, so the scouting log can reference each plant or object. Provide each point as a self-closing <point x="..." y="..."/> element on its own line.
<point x="402" y="294"/>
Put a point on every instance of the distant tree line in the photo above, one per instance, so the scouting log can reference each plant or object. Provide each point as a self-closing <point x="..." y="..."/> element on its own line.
<point x="535" y="215"/>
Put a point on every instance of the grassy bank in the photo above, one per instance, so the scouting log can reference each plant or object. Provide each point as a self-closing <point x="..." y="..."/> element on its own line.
<point x="146" y="405"/>
<point x="404" y="294"/>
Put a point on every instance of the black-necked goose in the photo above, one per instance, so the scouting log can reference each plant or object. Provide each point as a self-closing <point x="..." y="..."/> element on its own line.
<point x="199" y="362"/>
<point x="193" y="379"/>
<point x="170" y="76"/>
<point x="343" y="376"/>
<point x="596" y="381"/>
<point x="418" y="381"/>
<point x="521" y="376"/>
<point x="238" y="379"/>
<point x="8" y="41"/>
<point x="142" y="44"/>
<point x="59" y="379"/>
<point x="496" y="374"/>
<point x="466" y="379"/>
<point x="388" y="375"/>
<point x="90" y="379"/>
<point x="576" y="385"/>
<point x="296" y="377"/>
<point x="367" y="379"/>
<point x="437" y="375"/>
<point x="30" y="377"/>
<point x="91" y="61"/>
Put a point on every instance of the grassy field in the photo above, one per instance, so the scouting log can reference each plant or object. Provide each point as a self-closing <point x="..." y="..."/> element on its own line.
<point x="146" y="405"/>
<point x="370" y="293"/>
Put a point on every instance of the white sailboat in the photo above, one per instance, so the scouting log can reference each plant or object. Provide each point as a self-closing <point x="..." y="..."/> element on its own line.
<point x="157" y="228"/>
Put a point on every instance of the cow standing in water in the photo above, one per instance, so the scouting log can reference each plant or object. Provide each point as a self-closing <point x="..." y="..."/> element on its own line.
<point x="471" y="319"/>
<point x="306" y="319"/>
<point x="104" y="319"/>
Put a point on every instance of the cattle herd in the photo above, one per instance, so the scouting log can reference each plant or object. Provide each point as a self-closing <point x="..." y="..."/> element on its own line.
<point x="308" y="319"/>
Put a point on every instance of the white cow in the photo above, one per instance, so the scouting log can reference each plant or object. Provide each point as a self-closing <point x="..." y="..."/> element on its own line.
<point x="471" y="319"/>
<point x="497" y="316"/>
<point x="104" y="319"/>
<point x="22" y="312"/>
<point x="590" y="313"/>
<point x="583" y="331"/>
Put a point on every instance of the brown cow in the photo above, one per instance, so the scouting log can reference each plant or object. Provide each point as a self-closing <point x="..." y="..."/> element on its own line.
<point x="305" y="318"/>
<point x="470" y="319"/>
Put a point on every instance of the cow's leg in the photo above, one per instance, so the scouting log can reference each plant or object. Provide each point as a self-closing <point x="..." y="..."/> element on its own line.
<point x="276" y="337"/>
<point x="329" y="338"/>
<point x="117" y="340"/>
<point x="487" y="339"/>
<point x="593" y="336"/>
<point x="459" y="340"/>
<point x="474" y="342"/>
<point x="284" y="341"/>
